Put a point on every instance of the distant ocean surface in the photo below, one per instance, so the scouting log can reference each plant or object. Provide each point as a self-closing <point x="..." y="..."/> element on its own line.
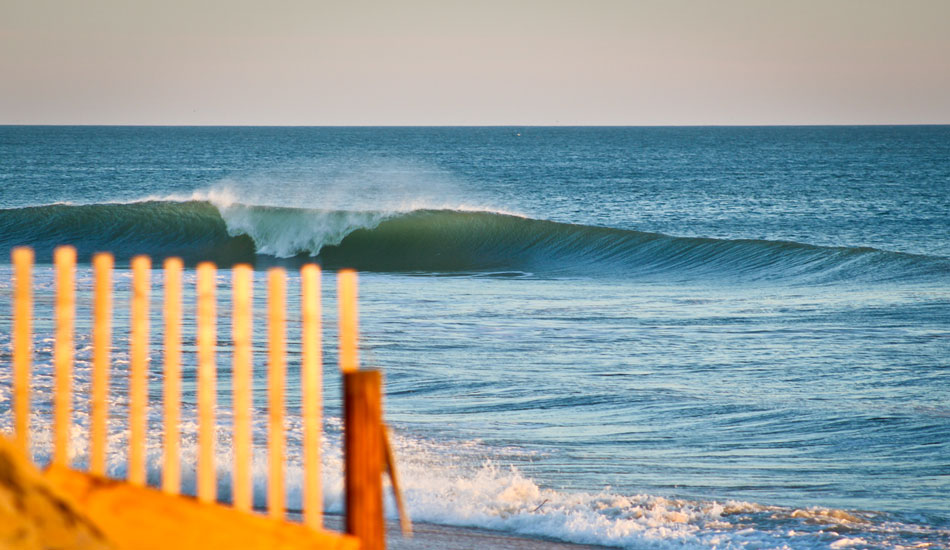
<point x="633" y="337"/>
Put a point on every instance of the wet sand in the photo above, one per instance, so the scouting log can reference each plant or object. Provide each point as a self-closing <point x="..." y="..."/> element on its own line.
<point x="440" y="537"/>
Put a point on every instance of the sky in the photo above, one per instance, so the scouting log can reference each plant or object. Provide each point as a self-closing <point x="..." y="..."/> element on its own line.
<point x="485" y="62"/>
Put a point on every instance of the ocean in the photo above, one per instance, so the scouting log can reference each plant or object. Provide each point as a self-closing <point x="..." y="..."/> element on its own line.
<point x="661" y="337"/>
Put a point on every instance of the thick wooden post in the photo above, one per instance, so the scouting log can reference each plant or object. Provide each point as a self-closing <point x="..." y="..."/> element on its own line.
<point x="65" y="259"/>
<point x="363" y="444"/>
<point x="22" y="347"/>
<point x="101" y="344"/>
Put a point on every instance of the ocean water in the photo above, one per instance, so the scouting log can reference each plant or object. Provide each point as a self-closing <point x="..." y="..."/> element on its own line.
<point x="634" y="337"/>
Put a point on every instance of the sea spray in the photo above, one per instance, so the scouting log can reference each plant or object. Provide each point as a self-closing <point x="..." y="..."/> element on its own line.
<point x="363" y="183"/>
<point x="288" y="232"/>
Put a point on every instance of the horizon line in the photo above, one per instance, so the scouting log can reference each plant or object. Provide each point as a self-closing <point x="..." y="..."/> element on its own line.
<point x="512" y="125"/>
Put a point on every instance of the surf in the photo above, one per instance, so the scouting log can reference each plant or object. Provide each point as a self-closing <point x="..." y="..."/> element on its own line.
<point x="433" y="241"/>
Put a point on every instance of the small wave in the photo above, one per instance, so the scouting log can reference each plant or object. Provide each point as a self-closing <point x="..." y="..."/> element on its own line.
<point x="430" y="241"/>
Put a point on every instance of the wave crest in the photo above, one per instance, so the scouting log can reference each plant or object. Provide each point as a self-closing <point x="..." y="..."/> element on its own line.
<point x="288" y="232"/>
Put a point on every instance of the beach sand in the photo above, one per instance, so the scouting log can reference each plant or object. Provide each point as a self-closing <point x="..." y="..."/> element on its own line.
<point x="439" y="537"/>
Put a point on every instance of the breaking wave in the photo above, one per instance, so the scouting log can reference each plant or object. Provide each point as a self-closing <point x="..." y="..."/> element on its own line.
<point x="431" y="241"/>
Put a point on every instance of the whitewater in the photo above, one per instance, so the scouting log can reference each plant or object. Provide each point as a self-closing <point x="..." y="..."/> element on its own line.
<point x="630" y="337"/>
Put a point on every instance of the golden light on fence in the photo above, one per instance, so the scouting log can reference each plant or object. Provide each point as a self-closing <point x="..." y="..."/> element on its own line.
<point x="242" y="300"/>
<point x="311" y="373"/>
<point x="366" y="447"/>
<point x="138" y="368"/>
<point x="102" y="265"/>
<point x="22" y="348"/>
<point x="171" y="469"/>
<point x="65" y="259"/>
<point x="207" y="382"/>
<point x="276" y="301"/>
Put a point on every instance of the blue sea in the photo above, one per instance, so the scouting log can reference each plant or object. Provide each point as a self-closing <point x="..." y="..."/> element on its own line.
<point x="696" y="337"/>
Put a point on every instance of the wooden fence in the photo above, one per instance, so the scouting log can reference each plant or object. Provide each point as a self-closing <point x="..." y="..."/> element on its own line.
<point x="366" y="445"/>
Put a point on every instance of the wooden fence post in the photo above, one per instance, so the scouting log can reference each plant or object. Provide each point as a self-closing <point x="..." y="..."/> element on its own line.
<point x="138" y="369"/>
<point x="171" y="463"/>
<point x="101" y="344"/>
<point x="347" y="296"/>
<point x="311" y="381"/>
<point x="241" y="376"/>
<point x="65" y="259"/>
<point x="363" y="444"/>
<point x="207" y="383"/>
<point x="276" y="303"/>
<point x="22" y="345"/>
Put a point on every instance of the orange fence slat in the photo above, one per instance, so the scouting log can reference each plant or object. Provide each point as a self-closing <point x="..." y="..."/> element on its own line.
<point x="276" y="303"/>
<point x="171" y="464"/>
<point x="207" y="382"/>
<point x="242" y="300"/>
<point x="22" y="344"/>
<point x="349" y="320"/>
<point x="101" y="347"/>
<point x="138" y="369"/>
<point x="312" y="393"/>
<point x="65" y="259"/>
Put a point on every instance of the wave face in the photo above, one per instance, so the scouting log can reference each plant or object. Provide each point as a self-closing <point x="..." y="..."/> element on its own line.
<point x="432" y="241"/>
<point x="193" y="230"/>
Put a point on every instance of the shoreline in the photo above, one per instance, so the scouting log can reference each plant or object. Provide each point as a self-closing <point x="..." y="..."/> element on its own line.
<point x="431" y="536"/>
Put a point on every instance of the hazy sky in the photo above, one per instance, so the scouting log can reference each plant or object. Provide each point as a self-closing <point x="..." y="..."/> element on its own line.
<point x="474" y="62"/>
